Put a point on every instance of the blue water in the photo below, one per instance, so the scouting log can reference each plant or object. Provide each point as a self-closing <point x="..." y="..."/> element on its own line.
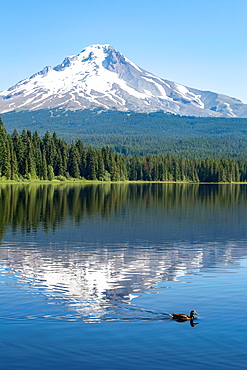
<point x="88" y="278"/>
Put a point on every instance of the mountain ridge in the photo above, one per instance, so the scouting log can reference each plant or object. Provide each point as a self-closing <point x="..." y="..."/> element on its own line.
<point x="100" y="76"/>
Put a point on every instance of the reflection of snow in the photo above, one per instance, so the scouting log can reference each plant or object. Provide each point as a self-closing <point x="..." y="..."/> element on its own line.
<point x="89" y="279"/>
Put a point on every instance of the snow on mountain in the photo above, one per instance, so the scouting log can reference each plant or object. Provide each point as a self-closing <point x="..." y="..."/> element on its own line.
<point x="100" y="76"/>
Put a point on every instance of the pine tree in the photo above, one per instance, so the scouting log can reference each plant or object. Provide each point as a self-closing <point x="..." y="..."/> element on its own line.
<point x="5" y="169"/>
<point x="13" y="161"/>
<point x="63" y="152"/>
<point x="91" y="164"/>
<point x="100" y="167"/>
<point x="50" y="173"/>
<point x="44" y="166"/>
<point x="73" y="162"/>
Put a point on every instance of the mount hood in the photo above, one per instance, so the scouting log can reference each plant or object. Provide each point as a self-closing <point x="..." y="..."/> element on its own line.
<point x="100" y="76"/>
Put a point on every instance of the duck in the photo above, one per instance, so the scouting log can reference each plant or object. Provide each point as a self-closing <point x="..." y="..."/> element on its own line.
<point x="183" y="316"/>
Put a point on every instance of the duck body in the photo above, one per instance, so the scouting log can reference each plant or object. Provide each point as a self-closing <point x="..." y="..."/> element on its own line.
<point x="183" y="316"/>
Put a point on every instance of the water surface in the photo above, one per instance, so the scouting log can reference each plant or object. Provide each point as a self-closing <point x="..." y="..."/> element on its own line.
<point x="90" y="273"/>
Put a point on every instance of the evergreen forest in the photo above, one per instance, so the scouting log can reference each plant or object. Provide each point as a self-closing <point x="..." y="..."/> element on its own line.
<point x="134" y="133"/>
<point x="26" y="155"/>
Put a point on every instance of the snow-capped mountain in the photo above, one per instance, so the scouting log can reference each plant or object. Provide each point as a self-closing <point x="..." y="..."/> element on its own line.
<point x="100" y="76"/>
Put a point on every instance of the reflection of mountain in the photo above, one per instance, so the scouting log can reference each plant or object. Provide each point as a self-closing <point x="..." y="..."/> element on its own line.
<point x="109" y="243"/>
<point x="89" y="280"/>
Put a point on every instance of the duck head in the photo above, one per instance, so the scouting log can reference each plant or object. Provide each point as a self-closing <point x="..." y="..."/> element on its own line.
<point x="192" y="313"/>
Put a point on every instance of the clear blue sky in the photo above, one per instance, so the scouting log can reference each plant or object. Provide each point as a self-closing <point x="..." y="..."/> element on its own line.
<point x="198" y="43"/>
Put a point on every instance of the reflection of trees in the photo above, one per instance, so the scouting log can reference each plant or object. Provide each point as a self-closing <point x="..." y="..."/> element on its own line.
<point x="32" y="206"/>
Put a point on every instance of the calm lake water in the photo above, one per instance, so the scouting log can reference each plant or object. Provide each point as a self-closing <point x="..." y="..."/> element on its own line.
<point x="90" y="273"/>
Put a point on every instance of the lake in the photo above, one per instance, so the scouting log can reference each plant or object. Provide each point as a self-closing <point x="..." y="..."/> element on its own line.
<point x="90" y="273"/>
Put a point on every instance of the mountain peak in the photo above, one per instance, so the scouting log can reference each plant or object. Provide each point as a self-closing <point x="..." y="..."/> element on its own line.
<point x="100" y="76"/>
<point x="96" y="53"/>
<point x="95" y="47"/>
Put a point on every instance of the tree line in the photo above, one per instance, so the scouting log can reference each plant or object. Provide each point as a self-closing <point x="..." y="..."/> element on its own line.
<point x="28" y="156"/>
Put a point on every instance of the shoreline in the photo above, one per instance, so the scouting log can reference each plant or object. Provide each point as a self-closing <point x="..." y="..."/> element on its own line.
<point x="91" y="182"/>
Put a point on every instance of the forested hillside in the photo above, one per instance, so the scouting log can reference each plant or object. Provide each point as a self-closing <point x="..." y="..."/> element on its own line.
<point x="138" y="133"/>
<point x="28" y="156"/>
